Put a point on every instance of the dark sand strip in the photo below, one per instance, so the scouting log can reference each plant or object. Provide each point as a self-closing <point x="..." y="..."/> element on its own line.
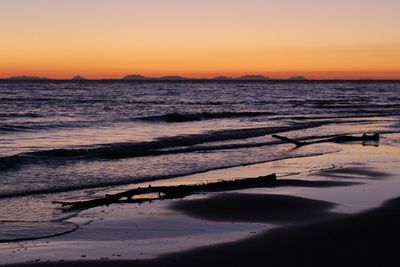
<point x="313" y="184"/>
<point x="366" y="239"/>
<point x="355" y="172"/>
<point x="238" y="207"/>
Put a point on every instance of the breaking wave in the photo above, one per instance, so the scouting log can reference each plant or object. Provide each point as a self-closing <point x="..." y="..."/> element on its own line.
<point x="188" y="117"/>
<point x="161" y="146"/>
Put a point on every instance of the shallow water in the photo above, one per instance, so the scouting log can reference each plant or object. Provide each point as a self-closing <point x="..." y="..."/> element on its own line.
<point x="69" y="140"/>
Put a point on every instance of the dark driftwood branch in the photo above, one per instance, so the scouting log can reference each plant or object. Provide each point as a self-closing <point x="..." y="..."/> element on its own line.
<point x="171" y="192"/>
<point x="337" y="139"/>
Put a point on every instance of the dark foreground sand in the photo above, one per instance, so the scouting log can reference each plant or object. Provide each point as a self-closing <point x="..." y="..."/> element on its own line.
<point x="366" y="239"/>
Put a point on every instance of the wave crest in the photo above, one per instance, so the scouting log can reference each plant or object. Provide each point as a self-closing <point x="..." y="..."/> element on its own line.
<point x="188" y="117"/>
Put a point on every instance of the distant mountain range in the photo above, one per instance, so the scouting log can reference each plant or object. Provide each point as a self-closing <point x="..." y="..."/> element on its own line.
<point x="180" y="78"/>
<point x="137" y="77"/>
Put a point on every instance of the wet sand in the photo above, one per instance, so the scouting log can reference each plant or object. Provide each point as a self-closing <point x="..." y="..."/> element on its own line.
<point x="344" y="211"/>
<point x="239" y="207"/>
<point x="366" y="239"/>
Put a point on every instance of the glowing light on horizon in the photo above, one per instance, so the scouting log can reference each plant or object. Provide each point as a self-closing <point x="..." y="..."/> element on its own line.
<point x="104" y="38"/>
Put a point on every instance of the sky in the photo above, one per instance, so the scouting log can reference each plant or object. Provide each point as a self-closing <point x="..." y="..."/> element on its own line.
<point x="347" y="39"/>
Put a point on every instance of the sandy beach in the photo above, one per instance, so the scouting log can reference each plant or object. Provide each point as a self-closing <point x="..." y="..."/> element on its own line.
<point x="337" y="208"/>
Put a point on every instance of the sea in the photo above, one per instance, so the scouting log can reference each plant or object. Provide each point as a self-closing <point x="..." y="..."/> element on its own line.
<point x="71" y="140"/>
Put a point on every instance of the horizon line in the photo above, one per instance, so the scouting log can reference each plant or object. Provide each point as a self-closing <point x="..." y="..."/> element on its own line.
<point x="242" y="77"/>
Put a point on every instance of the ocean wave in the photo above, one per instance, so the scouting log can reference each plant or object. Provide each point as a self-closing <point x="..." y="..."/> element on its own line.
<point x="10" y="127"/>
<point x="142" y="179"/>
<point x="14" y="128"/>
<point x="355" y="106"/>
<point x="188" y="117"/>
<point x="27" y="127"/>
<point x="161" y="146"/>
<point x="20" y="115"/>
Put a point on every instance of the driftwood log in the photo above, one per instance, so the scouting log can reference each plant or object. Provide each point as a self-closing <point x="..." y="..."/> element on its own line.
<point x="140" y="195"/>
<point x="337" y="139"/>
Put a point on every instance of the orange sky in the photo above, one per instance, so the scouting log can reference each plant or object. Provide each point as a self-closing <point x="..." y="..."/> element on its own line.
<point x="200" y="38"/>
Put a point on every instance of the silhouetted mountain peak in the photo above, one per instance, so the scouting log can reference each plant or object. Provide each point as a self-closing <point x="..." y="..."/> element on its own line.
<point x="222" y="78"/>
<point x="253" y="78"/>
<point x="297" y="78"/>
<point x="173" y="78"/>
<point x="78" y="78"/>
<point x="135" y="77"/>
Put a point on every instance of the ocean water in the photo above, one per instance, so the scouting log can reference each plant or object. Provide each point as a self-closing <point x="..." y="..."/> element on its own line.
<point x="73" y="140"/>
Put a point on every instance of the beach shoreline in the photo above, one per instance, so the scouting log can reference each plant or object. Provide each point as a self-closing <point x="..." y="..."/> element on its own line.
<point x="232" y="228"/>
<point x="365" y="239"/>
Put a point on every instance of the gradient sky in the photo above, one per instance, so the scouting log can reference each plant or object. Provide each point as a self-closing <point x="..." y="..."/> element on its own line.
<point x="200" y="38"/>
